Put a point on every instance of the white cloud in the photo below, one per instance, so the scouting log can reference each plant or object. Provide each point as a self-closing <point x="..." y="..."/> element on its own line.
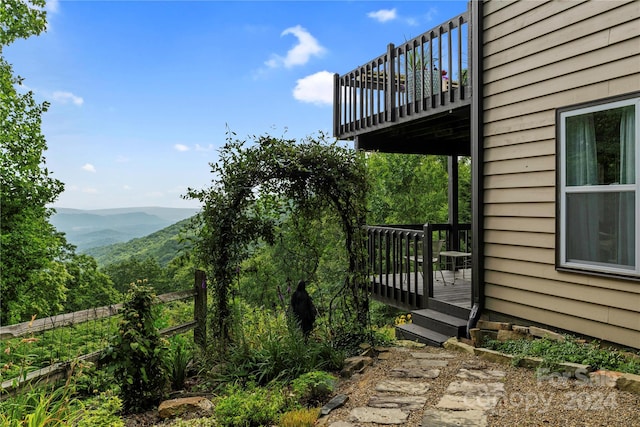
<point x="383" y="15"/>
<point x="299" y="54"/>
<point x="122" y="159"/>
<point x="90" y="190"/>
<point x="66" y="97"/>
<point x="181" y="147"/>
<point x="52" y="6"/>
<point x="126" y="187"/>
<point x="155" y="194"/>
<point x="315" y="89"/>
<point x="89" y="167"/>
<point x="202" y="148"/>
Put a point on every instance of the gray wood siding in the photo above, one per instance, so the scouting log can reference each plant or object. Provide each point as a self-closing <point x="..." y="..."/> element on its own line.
<point x="540" y="56"/>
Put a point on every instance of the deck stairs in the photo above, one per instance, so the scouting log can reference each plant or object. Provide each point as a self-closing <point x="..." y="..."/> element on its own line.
<point x="435" y="324"/>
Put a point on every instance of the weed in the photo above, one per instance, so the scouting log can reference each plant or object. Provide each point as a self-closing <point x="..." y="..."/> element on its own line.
<point x="299" y="418"/>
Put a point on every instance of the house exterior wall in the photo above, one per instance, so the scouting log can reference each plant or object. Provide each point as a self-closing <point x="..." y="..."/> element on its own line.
<point x="540" y="56"/>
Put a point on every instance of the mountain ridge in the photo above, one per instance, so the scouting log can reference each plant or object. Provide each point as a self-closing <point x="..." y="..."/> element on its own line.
<point x="87" y="229"/>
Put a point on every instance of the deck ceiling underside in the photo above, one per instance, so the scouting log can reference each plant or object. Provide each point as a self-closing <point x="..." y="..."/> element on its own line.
<point x="447" y="133"/>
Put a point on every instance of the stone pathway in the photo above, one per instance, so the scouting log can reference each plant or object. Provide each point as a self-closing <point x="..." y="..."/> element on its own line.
<point x="465" y="402"/>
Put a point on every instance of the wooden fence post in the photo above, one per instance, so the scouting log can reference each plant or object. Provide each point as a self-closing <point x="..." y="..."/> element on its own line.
<point x="200" y="309"/>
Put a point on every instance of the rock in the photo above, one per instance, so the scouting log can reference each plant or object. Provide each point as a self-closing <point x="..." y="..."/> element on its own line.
<point x="341" y="424"/>
<point x="409" y="344"/>
<point x="493" y="326"/>
<point x="474" y="364"/>
<point x="545" y="333"/>
<point x="507" y="335"/>
<point x="493" y="356"/>
<point x="399" y="386"/>
<point x="179" y="407"/>
<point x="473" y="389"/>
<point x="379" y="415"/>
<point x="335" y="402"/>
<point x="455" y="345"/>
<point x="406" y="403"/>
<point x="415" y="373"/>
<point x="476" y="374"/>
<point x="468" y="403"/>
<point x="471" y="418"/>
<point x="432" y="355"/>
<point x="385" y="356"/>
<point x="425" y="363"/>
<point x="604" y="378"/>
<point x="629" y="382"/>
<point x="355" y="364"/>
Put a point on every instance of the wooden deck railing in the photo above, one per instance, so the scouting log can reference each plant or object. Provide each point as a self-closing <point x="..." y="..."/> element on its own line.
<point x="406" y="82"/>
<point x="399" y="260"/>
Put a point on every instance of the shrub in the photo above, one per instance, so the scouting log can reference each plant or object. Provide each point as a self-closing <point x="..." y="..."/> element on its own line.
<point x="299" y="418"/>
<point x="179" y="358"/>
<point x="313" y="386"/>
<point x="249" y="407"/>
<point x="270" y="348"/>
<point x="136" y="354"/>
<point x="101" y="411"/>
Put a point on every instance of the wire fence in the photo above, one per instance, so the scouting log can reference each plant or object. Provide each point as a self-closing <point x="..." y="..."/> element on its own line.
<point x="45" y="349"/>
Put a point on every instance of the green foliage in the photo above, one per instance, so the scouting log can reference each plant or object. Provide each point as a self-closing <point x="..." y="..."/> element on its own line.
<point x="87" y="286"/>
<point x="51" y="407"/>
<point x="31" y="279"/>
<point x="313" y="386"/>
<point x="244" y="205"/>
<point x="163" y="246"/>
<point x="122" y="273"/>
<point x="268" y="347"/>
<point x="305" y="417"/>
<point x="136" y="355"/>
<point x="249" y="406"/>
<point x="101" y="411"/>
<point x="180" y="355"/>
<point x="571" y="350"/>
<point x="413" y="189"/>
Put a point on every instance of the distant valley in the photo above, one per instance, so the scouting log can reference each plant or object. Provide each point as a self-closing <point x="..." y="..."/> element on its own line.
<point x="87" y="229"/>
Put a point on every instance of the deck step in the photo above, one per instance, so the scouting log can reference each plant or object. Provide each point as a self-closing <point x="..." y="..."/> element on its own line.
<point x="437" y="321"/>
<point x="413" y="332"/>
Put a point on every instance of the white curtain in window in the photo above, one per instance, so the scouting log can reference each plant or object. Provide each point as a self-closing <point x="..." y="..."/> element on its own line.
<point x="626" y="223"/>
<point x="582" y="169"/>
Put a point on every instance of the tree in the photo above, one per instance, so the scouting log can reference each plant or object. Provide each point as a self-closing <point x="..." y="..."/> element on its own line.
<point x="407" y="189"/>
<point x="87" y="286"/>
<point x="32" y="280"/>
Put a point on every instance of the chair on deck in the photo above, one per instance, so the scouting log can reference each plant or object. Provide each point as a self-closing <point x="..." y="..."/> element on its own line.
<point x="436" y="247"/>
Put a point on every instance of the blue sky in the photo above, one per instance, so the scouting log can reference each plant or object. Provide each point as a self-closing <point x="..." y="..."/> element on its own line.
<point x="142" y="92"/>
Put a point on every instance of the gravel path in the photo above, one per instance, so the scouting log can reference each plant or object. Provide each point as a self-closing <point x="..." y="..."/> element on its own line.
<point x="526" y="401"/>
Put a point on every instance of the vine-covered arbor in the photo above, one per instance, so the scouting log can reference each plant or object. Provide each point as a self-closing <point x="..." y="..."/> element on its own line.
<point x="297" y="177"/>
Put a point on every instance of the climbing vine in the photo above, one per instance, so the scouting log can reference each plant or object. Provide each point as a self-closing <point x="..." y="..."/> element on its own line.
<point x="254" y="186"/>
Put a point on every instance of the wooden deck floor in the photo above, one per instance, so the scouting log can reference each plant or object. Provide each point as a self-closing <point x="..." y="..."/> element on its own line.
<point x="457" y="294"/>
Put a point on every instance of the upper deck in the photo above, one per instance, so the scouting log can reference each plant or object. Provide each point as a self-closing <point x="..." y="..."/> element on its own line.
<point x="414" y="98"/>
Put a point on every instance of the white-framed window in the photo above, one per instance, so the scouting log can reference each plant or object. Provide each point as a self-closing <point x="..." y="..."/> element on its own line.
<point x="599" y="187"/>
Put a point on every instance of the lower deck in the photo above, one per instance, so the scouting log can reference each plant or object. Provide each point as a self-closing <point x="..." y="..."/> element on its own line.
<point x="399" y="292"/>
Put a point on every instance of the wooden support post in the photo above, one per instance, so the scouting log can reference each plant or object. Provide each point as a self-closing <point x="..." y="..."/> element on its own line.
<point x="200" y="309"/>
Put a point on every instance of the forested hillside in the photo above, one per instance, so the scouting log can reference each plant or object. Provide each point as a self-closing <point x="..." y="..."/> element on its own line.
<point x="162" y="246"/>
